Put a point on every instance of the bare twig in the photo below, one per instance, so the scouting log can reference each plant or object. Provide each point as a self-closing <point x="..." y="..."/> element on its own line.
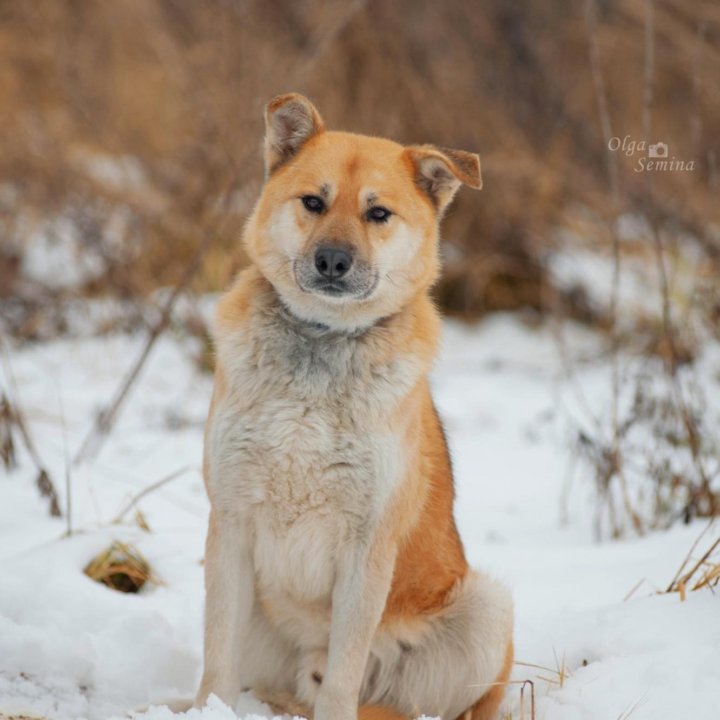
<point x="649" y="69"/>
<point x="525" y="684"/>
<point x="146" y="491"/>
<point x="635" y="588"/>
<point x="696" y="124"/>
<point x="601" y="95"/>
<point x="671" y="364"/>
<point x="68" y="476"/>
<point x="616" y="457"/>
<point x="43" y="481"/>
<point x="625" y="714"/>
<point x="7" y="445"/>
<point x="107" y="417"/>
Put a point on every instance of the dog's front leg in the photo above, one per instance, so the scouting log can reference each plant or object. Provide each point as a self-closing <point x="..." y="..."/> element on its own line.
<point x="229" y="597"/>
<point x="361" y="588"/>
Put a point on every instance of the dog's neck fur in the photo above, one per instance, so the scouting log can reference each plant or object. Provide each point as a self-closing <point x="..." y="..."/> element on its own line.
<point x="319" y="330"/>
<point x="314" y="358"/>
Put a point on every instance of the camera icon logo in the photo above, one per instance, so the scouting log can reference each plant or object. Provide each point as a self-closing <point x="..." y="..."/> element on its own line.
<point x="658" y="150"/>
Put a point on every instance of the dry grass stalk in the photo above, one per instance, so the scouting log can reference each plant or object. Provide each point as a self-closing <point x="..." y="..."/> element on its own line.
<point x="107" y="417"/>
<point x="68" y="475"/>
<point x="703" y="573"/>
<point x="523" y="684"/>
<point x="120" y="567"/>
<point x="7" y="444"/>
<point x="146" y="491"/>
<point x="43" y="481"/>
<point x="141" y="521"/>
<point x="625" y="714"/>
<point x="610" y="452"/>
<point x="615" y="465"/>
<point x="531" y="685"/>
<point x="672" y="364"/>
<point x="557" y="675"/>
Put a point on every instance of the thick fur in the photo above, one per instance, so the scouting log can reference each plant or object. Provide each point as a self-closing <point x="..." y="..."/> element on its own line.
<point x="335" y="577"/>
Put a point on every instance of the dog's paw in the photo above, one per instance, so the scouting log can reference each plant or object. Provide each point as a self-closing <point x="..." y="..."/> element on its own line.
<point x="282" y="703"/>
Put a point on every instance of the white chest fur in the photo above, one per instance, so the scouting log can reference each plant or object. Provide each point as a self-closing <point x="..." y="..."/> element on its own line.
<point x="302" y="446"/>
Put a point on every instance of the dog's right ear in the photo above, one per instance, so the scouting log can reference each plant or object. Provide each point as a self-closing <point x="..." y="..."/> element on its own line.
<point x="290" y="121"/>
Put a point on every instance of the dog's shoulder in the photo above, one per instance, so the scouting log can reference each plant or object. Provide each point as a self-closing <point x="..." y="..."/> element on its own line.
<point x="235" y="306"/>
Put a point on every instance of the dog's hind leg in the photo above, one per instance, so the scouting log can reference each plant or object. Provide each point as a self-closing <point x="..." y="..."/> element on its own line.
<point x="449" y="665"/>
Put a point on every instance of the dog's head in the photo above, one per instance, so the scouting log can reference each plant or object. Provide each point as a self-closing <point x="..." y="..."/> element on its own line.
<point x="346" y="228"/>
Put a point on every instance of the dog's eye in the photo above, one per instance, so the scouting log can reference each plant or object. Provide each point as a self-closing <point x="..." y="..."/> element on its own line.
<point x="378" y="214"/>
<point x="313" y="203"/>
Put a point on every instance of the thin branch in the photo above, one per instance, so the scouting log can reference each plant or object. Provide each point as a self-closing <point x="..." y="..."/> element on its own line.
<point x="7" y="445"/>
<point x="68" y="475"/>
<point x="146" y="491"/>
<point x="613" y="174"/>
<point x="649" y="70"/>
<point x="672" y="364"/>
<point x="689" y="555"/>
<point x="601" y="95"/>
<point x="106" y="418"/>
<point x="43" y="481"/>
<point x="696" y="124"/>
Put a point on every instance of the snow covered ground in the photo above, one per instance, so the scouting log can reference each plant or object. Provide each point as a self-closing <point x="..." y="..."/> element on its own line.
<point x="72" y="648"/>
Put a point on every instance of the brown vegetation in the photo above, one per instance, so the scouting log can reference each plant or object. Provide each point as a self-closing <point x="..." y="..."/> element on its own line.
<point x="120" y="567"/>
<point x="141" y="121"/>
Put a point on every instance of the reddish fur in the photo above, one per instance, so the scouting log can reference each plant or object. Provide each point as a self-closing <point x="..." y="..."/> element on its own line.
<point x="430" y="557"/>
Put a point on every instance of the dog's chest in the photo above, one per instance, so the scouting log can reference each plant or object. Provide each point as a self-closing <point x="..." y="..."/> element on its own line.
<point x="303" y="446"/>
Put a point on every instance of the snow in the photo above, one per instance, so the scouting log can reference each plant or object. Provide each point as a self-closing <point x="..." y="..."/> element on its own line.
<point x="55" y="255"/>
<point x="71" y="648"/>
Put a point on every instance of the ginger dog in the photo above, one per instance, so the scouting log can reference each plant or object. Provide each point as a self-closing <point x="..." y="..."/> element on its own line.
<point x="335" y="576"/>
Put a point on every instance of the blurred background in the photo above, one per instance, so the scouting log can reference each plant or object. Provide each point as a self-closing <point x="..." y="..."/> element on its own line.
<point x="131" y="131"/>
<point x="579" y="378"/>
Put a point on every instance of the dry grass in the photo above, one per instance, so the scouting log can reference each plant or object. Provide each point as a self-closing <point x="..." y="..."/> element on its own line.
<point x="703" y="572"/>
<point x="556" y="676"/>
<point x="7" y="443"/>
<point x="170" y="95"/>
<point x="120" y="567"/>
<point x="526" y="707"/>
<point x="12" y="421"/>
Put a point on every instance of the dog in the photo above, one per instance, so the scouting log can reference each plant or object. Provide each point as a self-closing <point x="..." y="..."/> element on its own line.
<point x="335" y="578"/>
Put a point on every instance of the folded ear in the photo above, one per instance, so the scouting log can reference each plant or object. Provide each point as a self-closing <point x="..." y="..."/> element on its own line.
<point x="439" y="172"/>
<point x="290" y="120"/>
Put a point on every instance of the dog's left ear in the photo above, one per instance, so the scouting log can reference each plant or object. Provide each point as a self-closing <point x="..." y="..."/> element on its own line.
<point x="290" y="121"/>
<point x="439" y="172"/>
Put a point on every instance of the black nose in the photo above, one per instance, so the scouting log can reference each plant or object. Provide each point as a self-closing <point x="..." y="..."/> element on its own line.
<point x="332" y="262"/>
